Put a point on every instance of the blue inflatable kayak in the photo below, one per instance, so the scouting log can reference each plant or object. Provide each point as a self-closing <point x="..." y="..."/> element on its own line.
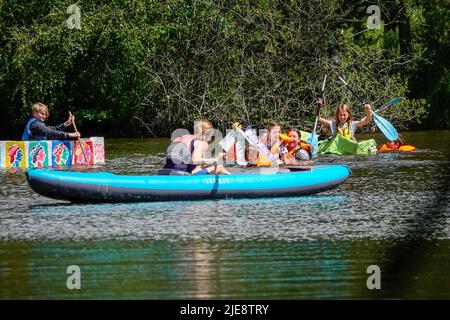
<point x="253" y="183"/>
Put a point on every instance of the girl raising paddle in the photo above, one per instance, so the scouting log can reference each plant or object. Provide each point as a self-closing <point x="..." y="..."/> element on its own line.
<point x="343" y="122"/>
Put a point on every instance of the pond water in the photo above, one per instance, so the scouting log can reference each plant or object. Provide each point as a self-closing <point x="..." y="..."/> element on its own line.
<point x="392" y="212"/>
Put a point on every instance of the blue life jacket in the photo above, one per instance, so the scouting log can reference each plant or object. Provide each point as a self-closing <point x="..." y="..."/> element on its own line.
<point x="27" y="132"/>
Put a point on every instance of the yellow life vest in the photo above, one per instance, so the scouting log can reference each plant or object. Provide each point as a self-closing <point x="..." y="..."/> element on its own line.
<point x="263" y="161"/>
<point x="346" y="132"/>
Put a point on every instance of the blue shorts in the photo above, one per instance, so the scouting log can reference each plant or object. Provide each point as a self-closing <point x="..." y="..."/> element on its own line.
<point x="202" y="171"/>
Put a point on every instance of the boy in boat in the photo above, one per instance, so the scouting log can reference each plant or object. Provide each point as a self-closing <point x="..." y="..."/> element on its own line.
<point x="37" y="129"/>
<point x="186" y="153"/>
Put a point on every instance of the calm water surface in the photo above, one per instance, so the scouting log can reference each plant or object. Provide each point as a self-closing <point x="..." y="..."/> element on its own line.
<point x="393" y="212"/>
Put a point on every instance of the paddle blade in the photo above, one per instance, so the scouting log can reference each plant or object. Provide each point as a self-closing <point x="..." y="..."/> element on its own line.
<point x="388" y="104"/>
<point x="314" y="140"/>
<point x="386" y="127"/>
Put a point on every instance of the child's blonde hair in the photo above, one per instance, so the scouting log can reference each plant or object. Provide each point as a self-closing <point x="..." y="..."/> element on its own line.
<point x="343" y="107"/>
<point x="39" y="107"/>
<point x="201" y="126"/>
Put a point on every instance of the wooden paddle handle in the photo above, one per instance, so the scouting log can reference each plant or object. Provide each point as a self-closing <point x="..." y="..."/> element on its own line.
<point x="73" y="122"/>
<point x="79" y="140"/>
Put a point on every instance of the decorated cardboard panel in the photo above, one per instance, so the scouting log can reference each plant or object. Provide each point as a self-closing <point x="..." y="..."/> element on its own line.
<point x="2" y="154"/>
<point x="99" y="150"/>
<point x="36" y="154"/>
<point x="79" y="156"/>
<point x="39" y="154"/>
<point x="16" y="154"/>
<point x="61" y="153"/>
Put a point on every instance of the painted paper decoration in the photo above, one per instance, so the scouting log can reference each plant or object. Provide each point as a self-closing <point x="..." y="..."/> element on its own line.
<point x="61" y="153"/>
<point x="39" y="154"/>
<point x="78" y="156"/>
<point x="36" y="154"/>
<point x="16" y="155"/>
<point x="99" y="150"/>
<point x="2" y="154"/>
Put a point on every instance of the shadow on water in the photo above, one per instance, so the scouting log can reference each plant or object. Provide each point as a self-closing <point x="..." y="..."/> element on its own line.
<point x="410" y="256"/>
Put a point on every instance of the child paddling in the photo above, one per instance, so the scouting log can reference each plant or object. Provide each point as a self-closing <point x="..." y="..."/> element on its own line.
<point x="36" y="128"/>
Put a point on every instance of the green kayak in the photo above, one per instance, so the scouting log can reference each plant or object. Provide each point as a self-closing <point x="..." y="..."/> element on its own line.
<point x="344" y="146"/>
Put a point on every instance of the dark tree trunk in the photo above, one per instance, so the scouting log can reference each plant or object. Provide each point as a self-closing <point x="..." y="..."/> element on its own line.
<point x="404" y="33"/>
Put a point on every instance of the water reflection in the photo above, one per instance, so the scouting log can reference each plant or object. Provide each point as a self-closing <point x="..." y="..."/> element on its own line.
<point x="177" y="270"/>
<point x="208" y="269"/>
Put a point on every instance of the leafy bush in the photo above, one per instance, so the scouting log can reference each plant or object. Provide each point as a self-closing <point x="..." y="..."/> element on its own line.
<point x="148" y="67"/>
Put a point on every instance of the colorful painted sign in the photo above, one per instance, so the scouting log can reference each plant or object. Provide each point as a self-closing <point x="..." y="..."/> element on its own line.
<point x="99" y="149"/>
<point x="78" y="156"/>
<point x="39" y="154"/>
<point x="36" y="154"/>
<point x="16" y="155"/>
<point x="61" y="153"/>
<point x="2" y="154"/>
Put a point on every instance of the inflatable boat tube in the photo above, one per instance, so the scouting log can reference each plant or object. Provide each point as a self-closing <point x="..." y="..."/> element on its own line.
<point x="108" y="187"/>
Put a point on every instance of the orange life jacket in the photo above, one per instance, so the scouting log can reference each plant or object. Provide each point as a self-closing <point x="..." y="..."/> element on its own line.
<point x="303" y="145"/>
<point x="405" y="148"/>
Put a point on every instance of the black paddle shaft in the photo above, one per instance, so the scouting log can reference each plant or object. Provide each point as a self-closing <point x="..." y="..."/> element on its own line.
<point x="351" y="90"/>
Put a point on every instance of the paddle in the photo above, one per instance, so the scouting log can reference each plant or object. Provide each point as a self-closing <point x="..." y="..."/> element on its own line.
<point x="388" y="104"/>
<point x="385" y="126"/>
<point x="79" y="140"/>
<point x="313" y="138"/>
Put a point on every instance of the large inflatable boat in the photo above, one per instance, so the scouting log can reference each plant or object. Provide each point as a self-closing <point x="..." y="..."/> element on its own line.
<point x="244" y="183"/>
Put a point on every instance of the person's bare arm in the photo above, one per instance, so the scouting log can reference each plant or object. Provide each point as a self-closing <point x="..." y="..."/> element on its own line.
<point x="368" y="118"/>
<point x="324" y="122"/>
<point x="197" y="154"/>
<point x="199" y="151"/>
<point x="320" y="103"/>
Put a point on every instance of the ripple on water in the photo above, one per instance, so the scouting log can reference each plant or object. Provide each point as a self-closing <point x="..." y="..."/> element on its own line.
<point x="386" y="196"/>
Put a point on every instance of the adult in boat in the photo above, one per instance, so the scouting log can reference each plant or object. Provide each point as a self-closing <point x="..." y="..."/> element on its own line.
<point x="343" y="122"/>
<point x="36" y="129"/>
<point x="187" y="153"/>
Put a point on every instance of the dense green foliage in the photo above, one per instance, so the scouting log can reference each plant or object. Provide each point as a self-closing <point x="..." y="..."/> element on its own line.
<point x="148" y="67"/>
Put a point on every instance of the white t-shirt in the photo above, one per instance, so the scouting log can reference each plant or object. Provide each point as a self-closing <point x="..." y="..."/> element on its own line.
<point x="352" y="128"/>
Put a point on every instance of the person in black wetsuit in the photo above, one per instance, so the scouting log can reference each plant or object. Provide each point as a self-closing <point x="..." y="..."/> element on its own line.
<point x="36" y="129"/>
